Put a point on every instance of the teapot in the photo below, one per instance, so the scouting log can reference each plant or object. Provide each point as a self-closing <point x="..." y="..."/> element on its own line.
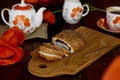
<point x="24" y="16"/>
<point x="73" y="11"/>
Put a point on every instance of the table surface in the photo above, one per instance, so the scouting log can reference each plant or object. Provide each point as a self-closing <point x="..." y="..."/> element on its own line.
<point x="94" y="71"/>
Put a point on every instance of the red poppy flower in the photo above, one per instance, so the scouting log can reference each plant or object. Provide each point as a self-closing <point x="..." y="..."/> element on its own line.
<point x="13" y="36"/>
<point x="31" y="1"/>
<point x="8" y="54"/>
<point x="113" y="70"/>
<point x="49" y="17"/>
<point x="44" y="0"/>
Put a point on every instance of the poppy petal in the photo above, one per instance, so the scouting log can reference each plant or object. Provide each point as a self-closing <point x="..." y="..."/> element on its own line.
<point x="13" y="36"/>
<point x="113" y="70"/>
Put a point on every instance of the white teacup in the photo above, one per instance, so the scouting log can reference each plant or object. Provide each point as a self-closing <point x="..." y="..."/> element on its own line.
<point x="113" y="17"/>
<point x="73" y="11"/>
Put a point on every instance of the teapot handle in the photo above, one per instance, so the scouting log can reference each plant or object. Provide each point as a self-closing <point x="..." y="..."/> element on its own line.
<point x="2" y="15"/>
<point x="87" y="10"/>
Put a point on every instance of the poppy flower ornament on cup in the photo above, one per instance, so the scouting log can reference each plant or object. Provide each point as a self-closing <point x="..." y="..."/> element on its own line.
<point x="113" y="18"/>
<point x="73" y="11"/>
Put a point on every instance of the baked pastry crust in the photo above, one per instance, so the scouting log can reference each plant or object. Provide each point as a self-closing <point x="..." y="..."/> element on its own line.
<point x="56" y="48"/>
<point x="65" y="42"/>
<point x="70" y="38"/>
<point x="51" y="53"/>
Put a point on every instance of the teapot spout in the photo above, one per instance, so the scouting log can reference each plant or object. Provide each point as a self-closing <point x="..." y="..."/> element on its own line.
<point x="39" y="17"/>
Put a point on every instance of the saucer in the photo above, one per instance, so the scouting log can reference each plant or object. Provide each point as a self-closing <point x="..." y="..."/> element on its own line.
<point x="103" y="25"/>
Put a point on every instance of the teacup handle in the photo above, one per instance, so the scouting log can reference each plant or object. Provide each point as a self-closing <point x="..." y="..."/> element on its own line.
<point x="87" y="10"/>
<point x="2" y="15"/>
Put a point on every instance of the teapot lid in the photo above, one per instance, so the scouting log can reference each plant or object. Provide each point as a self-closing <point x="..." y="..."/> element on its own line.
<point x="22" y="6"/>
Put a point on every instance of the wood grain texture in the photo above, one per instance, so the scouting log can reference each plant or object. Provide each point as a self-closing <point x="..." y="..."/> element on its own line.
<point x="97" y="44"/>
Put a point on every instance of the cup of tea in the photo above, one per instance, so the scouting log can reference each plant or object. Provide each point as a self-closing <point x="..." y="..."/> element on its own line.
<point x="113" y="17"/>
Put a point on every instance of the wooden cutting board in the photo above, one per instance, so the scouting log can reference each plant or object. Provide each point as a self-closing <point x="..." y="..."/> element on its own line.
<point x="97" y="45"/>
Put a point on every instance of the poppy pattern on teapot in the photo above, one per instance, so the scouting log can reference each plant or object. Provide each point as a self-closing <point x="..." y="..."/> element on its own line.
<point x="22" y="22"/>
<point x="22" y="19"/>
<point x="24" y="16"/>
